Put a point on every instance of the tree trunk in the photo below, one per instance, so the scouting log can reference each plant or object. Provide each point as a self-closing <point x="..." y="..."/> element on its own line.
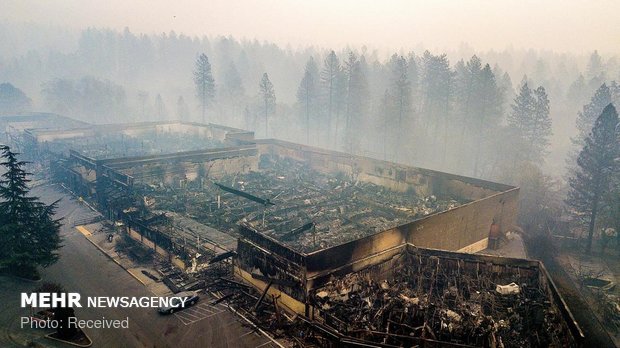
<point x="266" y="119"/>
<point x="592" y="222"/>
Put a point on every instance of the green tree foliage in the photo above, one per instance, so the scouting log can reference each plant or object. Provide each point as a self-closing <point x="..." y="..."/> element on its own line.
<point x="590" y="112"/>
<point x="437" y="96"/>
<point x="530" y="122"/>
<point x="400" y="88"/>
<point x="356" y="101"/>
<point x="29" y="234"/>
<point x="204" y="84"/>
<point x="597" y="164"/>
<point x="268" y="99"/>
<point x="307" y="95"/>
<point x="13" y="100"/>
<point x="330" y="82"/>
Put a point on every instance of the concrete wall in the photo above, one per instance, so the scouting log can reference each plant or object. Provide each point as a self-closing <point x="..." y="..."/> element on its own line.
<point x="458" y="228"/>
<point x="186" y="165"/>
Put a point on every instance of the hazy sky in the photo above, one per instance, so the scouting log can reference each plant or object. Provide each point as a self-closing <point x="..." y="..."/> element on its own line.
<point x="561" y="25"/>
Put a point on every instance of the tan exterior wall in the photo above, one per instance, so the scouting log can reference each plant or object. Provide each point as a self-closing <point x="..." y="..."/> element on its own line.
<point x="465" y="225"/>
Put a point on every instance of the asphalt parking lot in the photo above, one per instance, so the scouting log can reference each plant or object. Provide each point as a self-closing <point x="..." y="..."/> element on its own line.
<point x="202" y="310"/>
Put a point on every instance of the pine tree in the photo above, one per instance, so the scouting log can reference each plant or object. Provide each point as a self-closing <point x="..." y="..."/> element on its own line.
<point x="233" y="91"/>
<point x="204" y="83"/>
<point x="531" y="123"/>
<point x="385" y="115"/>
<point x="595" y="66"/>
<point x="13" y="100"/>
<point x="160" y="108"/>
<point x="268" y="99"/>
<point x="437" y="93"/>
<point x="330" y="75"/>
<point x="307" y="94"/>
<point x="541" y="123"/>
<point x="488" y="111"/>
<point x="596" y="165"/>
<point x="183" y="114"/>
<point x="590" y="112"/>
<point x="29" y="234"/>
<point x="356" y="101"/>
<point x="400" y="89"/>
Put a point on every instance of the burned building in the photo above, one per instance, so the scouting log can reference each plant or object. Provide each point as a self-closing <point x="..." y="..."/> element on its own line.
<point x="329" y="234"/>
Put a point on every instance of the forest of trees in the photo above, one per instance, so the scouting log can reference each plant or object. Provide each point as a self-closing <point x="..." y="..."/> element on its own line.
<point x="520" y="117"/>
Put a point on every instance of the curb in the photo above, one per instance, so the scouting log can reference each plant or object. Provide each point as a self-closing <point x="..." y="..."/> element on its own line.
<point x="49" y="336"/>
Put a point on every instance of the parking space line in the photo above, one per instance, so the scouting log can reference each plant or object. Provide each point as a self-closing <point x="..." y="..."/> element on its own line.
<point x="206" y="309"/>
<point x="185" y="314"/>
<point x="203" y="311"/>
<point x="248" y="333"/>
<point x="197" y="313"/>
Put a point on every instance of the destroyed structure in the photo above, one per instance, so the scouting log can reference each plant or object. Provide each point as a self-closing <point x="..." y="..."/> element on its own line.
<point x="336" y="238"/>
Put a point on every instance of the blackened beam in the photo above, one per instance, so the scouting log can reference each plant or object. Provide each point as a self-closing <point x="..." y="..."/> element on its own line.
<point x="245" y="195"/>
<point x="222" y="256"/>
<point x="262" y="296"/>
<point x="276" y="281"/>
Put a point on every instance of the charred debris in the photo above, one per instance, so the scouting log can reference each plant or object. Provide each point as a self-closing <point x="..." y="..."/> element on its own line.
<point x="289" y="201"/>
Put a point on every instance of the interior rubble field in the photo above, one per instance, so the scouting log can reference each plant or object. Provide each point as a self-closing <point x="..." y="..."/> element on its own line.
<point x="304" y="209"/>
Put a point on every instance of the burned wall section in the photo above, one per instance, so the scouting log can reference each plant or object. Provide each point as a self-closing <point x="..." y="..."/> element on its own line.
<point x="262" y="260"/>
<point x="170" y="168"/>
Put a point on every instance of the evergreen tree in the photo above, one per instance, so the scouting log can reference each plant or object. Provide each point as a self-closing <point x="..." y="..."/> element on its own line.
<point x="541" y="123"/>
<point x="357" y="98"/>
<point x="590" y="112"/>
<point x="577" y="91"/>
<point x="13" y="100"/>
<point x="268" y="99"/>
<point x="596" y="165"/>
<point x="385" y="114"/>
<point x="437" y="93"/>
<point x="233" y="91"/>
<point x="29" y="234"/>
<point x="204" y="83"/>
<point x="330" y="75"/>
<point x="183" y="114"/>
<point x="160" y="108"/>
<point x="307" y="94"/>
<point x="530" y="121"/>
<point x="595" y="66"/>
<point x="488" y="111"/>
<point x="400" y="89"/>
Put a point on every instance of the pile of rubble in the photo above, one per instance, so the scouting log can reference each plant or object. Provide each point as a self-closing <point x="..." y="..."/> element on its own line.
<point x="427" y="298"/>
